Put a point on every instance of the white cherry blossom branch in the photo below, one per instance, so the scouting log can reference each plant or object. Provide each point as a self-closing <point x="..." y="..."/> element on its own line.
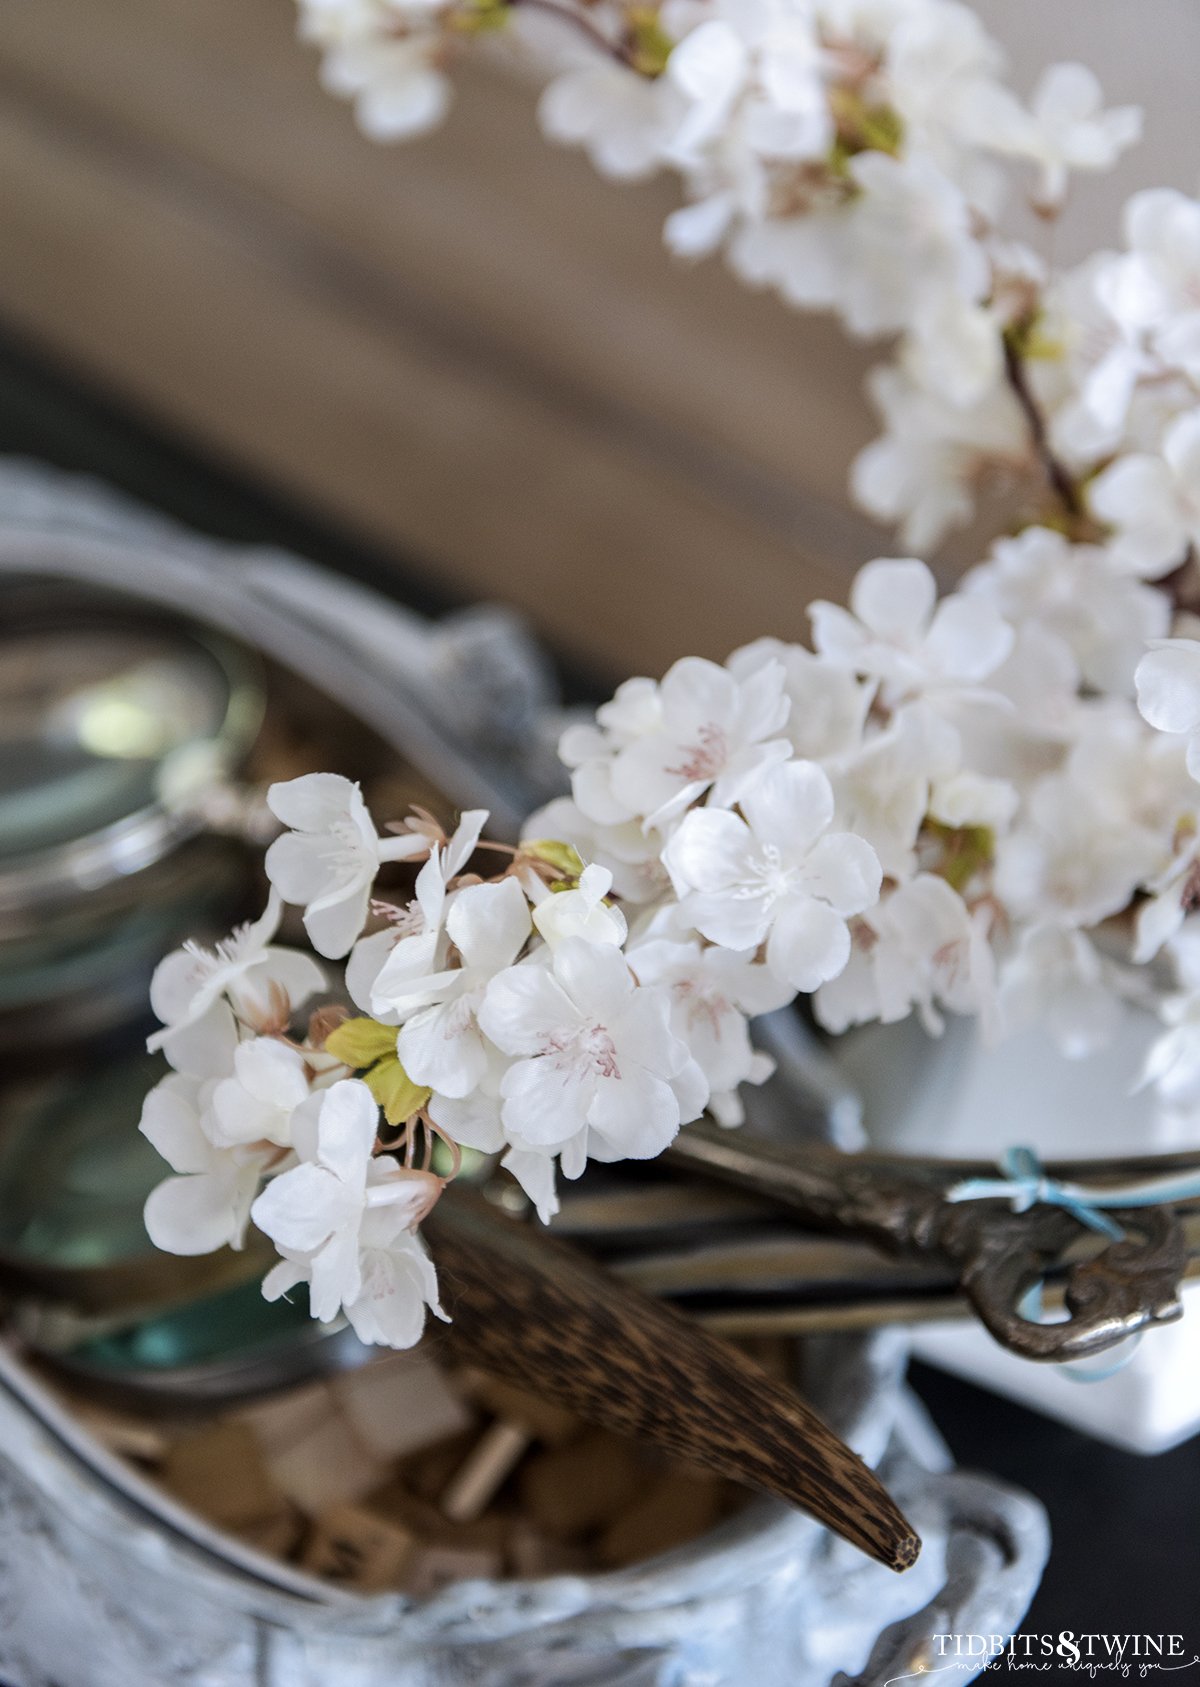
<point x="985" y="805"/>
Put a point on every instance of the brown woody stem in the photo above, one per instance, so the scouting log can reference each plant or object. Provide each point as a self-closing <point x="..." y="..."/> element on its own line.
<point x="576" y="20"/>
<point x="1061" y="483"/>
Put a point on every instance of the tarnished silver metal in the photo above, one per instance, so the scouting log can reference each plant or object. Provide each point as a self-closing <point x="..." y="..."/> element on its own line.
<point x="996" y="1255"/>
<point x="98" y="1568"/>
<point x="110" y="734"/>
<point x="116" y="732"/>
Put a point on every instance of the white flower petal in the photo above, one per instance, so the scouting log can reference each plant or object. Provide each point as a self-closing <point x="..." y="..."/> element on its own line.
<point x="298" y="867"/>
<point x="967" y="639"/>
<point x="300" y="1209"/>
<point x="443" y="1048"/>
<point x="809" y="944"/>
<point x="171" y="1122"/>
<point x="637" y="1114"/>
<point x="204" y="1047"/>
<point x="524" y="1009"/>
<point x="346" y="1129"/>
<point x="895" y="598"/>
<point x="844" y="871"/>
<point x="271" y="1071"/>
<point x="790" y="807"/>
<point x="709" y="851"/>
<point x="595" y="976"/>
<point x="315" y="802"/>
<point x="461" y="846"/>
<point x="535" y="1174"/>
<point x="191" y="1215"/>
<point x="543" y="1102"/>
<point x="1168" y="686"/>
<point x="732" y="921"/>
<point x="334" y="922"/>
<point x="364" y="966"/>
<point x="489" y="924"/>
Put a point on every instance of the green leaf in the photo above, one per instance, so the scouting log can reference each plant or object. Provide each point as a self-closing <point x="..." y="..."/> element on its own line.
<point x="967" y="851"/>
<point x="650" y="44"/>
<point x="862" y="127"/>
<point x="479" y="17"/>
<point x="561" y="856"/>
<point x="361" y="1042"/>
<point x="395" y="1091"/>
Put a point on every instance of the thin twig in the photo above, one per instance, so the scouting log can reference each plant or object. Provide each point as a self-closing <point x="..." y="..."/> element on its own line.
<point x="566" y="14"/>
<point x="1061" y="484"/>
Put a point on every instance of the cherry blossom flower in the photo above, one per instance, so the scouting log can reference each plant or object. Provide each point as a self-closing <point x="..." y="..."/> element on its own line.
<point x="1041" y="682"/>
<point x="1057" y="978"/>
<point x="845" y="259"/>
<point x="955" y="350"/>
<point x="923" y="473"/>
<point x="883" y="790"/>
<point x="441" y="1045"/>
<point x="1152" y="501"/>
<point x="398" y="1282"/>
<point x="713" y="734"/>
<point x="776" y="874"/>
<point x="330" y="857"/>
<point x="622" y="121"/>
<point x="1154" y="288"/>
<point x="317" y="1213"/>
<point x="401" y="968"/>
<point x="632" y="853"/>
<point x="1174" y="894"/>
<point x="1172" y="1062"/>
<point x="597" y="1069"/>
<point x="919" y="947"/>
<point x="590" y="750"/>
<point x="1065" y="129"/>
<point x="828" y="704"/>
<point x="382" y="54"/>
<point x="1136" y="777"/>
<point x="938" y="57"/>
<point x="1088" y="386"/>
<point x="1168" y="692"/>
<point x="200" y="994"/>
<point x="713" y="992"/>
<point x="1103" y="615"/>
<point x="758" y="66"/>
<point x="897" y="633"/>
<point x="581" y="912"/>
<point x="909" y="205"/>
<point x="1067" y="862"/>
<point x="207" y="1205"/>
<point x="255" y="1105"/>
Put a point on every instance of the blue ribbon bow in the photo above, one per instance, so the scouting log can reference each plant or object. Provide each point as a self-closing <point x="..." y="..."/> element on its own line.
<point x="1025" y="1184"/>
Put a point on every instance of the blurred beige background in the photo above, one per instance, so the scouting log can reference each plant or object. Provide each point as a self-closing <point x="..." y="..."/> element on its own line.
<point x="471" y="349"/>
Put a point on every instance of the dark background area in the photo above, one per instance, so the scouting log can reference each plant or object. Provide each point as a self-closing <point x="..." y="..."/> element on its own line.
<point x="1126" y="1529"/>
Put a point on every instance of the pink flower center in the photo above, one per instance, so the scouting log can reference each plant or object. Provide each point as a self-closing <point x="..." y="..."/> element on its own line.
<point x="590" y="1049"/>
<point x="704" y="760"/>
<point x="702" y="1006"/>
<point x="601" y="1052"/>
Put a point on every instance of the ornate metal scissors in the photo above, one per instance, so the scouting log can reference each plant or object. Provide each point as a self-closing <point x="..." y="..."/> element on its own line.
<point x="915" y="1208"/>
